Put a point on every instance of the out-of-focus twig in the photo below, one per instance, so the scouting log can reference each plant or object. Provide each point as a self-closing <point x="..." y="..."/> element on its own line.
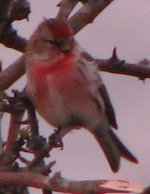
<point x="66" y="7"/>
<point x="20" y="10"/>
<point x="87" y="13"/>
<point x="11" y="150"/>
<point x="146" y="191"/>
<point x="11" y="39"/>
<point x="11" y="10"/>
<point x="12" y="73"/>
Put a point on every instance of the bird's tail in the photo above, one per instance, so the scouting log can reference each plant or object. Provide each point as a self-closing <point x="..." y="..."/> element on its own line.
<point x="113" y="148"/>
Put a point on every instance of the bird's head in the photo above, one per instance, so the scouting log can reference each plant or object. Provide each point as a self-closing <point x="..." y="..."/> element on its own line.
<point x="54" y="34"/>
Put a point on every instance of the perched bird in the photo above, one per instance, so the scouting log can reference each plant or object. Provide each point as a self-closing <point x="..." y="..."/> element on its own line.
<point x="64" y="86"/>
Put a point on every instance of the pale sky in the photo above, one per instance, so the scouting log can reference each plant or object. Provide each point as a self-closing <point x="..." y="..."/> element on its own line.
<point x="126" y="25"/>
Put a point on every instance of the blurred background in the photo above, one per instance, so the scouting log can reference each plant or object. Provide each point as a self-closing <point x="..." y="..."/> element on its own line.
<point x="126" y="25"/>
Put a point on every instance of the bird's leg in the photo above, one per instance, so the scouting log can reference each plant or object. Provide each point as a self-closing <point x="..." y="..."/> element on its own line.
<point x="56" y="138"/>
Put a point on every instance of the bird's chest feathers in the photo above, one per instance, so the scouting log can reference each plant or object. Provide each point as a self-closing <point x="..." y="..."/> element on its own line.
<point x="45" y="75"/>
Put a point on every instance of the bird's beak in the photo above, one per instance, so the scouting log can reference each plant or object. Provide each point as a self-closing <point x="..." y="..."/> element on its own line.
<point x="66" y="45"/>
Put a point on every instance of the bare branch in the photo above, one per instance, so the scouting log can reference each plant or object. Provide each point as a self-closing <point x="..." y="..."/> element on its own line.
<point x="20" y="10"/>
<point x="95" y="186"/>
<point x="135" y="70"/>
<point x="87" y="14"/>
<point x="11" y="151"/>
<point x="146" y="191"/>
<point x="60" y="184"/>
<point x="10" y="11"/>
<point x="11" y="39"/>
<point x="12" y="73"/>
<point x="66" y="7"/>
<point x="114" y="65"/>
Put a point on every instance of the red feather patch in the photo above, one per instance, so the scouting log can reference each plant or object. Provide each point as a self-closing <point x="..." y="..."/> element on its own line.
<point x="60" y="29"/>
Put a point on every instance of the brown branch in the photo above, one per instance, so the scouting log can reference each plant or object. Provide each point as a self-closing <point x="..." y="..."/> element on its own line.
<point x="140" y="70"/>
<point x="11" y="10"/>
<point x="12" y="73"/>
<point x="87" y="13"/>
<point x="11" y="39"/>
<point x="28" y="137"/>
<point x="66" y="7"/>
<point x="135" y="70"/>
<point x="32" y="116"/>
<point x="114" y="65"/>
<point x="55" y="141"/>
<point x="60" y="184"/>
<point x="11" y="151"/>
<point x="20" y="10"/>
<point x="146" y="191"/>
<point x="12" y="147"/>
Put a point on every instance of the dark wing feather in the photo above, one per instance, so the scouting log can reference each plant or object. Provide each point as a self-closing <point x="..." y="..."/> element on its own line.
<point x="108" y="106"/>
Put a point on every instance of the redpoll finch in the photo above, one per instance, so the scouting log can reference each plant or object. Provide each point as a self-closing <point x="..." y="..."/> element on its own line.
<point x="64" y="86"/>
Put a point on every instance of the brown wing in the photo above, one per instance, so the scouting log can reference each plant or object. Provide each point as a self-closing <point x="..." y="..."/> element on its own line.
<point x="104" y="94"/>
<point x="108" y="105"/>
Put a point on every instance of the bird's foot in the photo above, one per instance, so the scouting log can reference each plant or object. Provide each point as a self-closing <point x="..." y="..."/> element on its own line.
<point x="55" y="141"/>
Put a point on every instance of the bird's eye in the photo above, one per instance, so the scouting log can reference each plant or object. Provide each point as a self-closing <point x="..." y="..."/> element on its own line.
<point x="57" y="42"/>
<point x="53" y="42"/>
<point x="49" y="41"/>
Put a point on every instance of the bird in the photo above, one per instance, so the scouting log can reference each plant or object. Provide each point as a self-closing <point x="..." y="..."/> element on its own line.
<point x="65" y="87"/>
